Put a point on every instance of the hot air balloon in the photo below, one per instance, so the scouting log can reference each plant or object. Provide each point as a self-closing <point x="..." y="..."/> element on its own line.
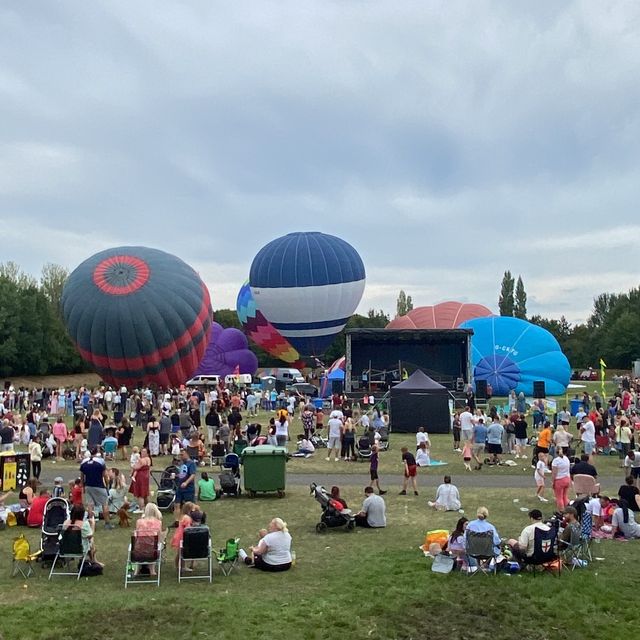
<point x="445" y="315"/>
<point x="138" y="315"/>
<point x="260" y="330"/>
<point x="307" y="285"/>
<point x="227" y="353"/>
<point x="510" y="353"/>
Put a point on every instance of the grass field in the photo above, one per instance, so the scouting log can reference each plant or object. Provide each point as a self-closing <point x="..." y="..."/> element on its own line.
<point x="362" y="584"/>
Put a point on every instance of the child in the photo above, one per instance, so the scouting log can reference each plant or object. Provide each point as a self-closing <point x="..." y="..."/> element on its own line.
<point x="410" y="471"/>
<point x="373" y="469"/>
<point x="76" y="492"/>
<point x="135" y="457"/>
<point x="175" y="446"/>
<point x="84" y="448"/>
<point x="539" y="473"/>
<point x="58" y="489"/>
<point x="185" y="521"/>
<point x="466" y="455"/>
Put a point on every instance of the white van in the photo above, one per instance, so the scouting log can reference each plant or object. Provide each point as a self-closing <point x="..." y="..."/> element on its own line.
<point x="203" y="381"/>
<point x="240" y="379"/>
<point x="288" y="376"/>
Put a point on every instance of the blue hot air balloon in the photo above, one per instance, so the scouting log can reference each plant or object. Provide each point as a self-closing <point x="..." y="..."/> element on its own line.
<point x="510" y="353"/>
<point x="307" y="285"/>
<point x="138" y="314"/>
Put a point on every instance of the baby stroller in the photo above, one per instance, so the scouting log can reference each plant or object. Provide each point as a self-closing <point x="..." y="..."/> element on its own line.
<point x="364" y="448"/>
<point x="318" y="441"/>
<point x="166" y="494"/>
<point x="384" y="438"/>
<point x="230" y="477"/>
<point x="56" y="511"/>
<point x="333" y="514"/>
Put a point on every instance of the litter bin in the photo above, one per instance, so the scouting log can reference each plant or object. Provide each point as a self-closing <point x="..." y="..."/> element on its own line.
<point x="576" y="403"/>
<point x="14" y="470"/>
<point x="264" y="469"/>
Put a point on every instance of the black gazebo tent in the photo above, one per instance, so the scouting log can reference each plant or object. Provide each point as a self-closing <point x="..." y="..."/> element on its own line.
<point x="419" y="401"/>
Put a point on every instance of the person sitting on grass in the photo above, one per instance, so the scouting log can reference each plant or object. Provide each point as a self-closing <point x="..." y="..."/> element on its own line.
<point x="335" y="494"/>
<point x="447" y="497"/>
<point x="455" y="543"/>
<point x="305" y="447"/>
<point x="273" y="551"/>
<point x="623" y="522"/>
<point x="87" y="529"/>
<point x="423" y="459"/>
<point x="373" y="512"/>
<point x="523" y="547"/>
<point x="206" y="488"/>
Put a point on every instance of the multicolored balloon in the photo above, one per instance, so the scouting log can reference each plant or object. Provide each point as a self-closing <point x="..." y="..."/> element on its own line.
<point x="307" y="285"/>
<point x="138" y="315"/>
<point x="227" y="353"/>
<point x="445" y="315"/>
<point x="511" y="354"/>
<point x="260" y="330"/>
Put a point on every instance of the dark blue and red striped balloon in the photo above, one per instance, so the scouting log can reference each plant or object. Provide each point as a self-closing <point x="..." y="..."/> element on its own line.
<point x="138" y="314"/>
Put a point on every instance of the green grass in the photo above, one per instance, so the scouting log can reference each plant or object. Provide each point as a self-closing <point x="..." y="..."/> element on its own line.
<point x="361" y="584"/>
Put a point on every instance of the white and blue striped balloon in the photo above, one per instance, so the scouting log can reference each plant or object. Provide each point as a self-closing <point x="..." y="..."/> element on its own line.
<point x="307" y="285"/>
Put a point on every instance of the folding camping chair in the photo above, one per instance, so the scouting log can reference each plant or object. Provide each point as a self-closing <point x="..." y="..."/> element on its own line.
<point x="585" y="485"/>
<point x="545" y="552"/>
<point x="195" y="546"/>
<point x="69" y="549"/>
<point x="479" y="546"/>
<point x="586" y="530"/>
<point x="144" y="551"/>
<point x="228" y="557"/>
<point x="23" y="559"/>
<point x="570" y="551"/>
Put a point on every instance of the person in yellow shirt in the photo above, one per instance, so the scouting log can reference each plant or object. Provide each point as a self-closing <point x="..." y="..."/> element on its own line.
<point x="544" y="438"/>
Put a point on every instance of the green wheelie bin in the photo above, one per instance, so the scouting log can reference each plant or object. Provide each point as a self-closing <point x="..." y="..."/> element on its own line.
<point x="264" y="469"/>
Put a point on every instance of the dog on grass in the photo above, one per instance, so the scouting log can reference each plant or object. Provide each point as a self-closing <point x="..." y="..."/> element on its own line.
<point x="124" y="518"/>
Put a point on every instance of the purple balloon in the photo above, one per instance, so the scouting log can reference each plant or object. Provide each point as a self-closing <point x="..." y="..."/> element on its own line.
<point x="227" y="349"/>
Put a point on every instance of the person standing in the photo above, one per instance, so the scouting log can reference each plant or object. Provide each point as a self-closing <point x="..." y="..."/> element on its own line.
<point x="140" y="479"/>
<point x="185" y="480"/>
<point x="95" y="479"/>
<point x="588" y="436"/>
<point x="455" y="427"/>
<point x="335" y="432"/>
<point x="494" y="440"/>
<point x="467" y="423"/>
<point x="479" y="442"/>
<point x="61" y="434"/>
<point x="35" y="451"/>
<point x="410" y="472"/>
<point x="373" y="469"/>
<point x="561" y="477"/>
<point x="165" y="433"/>
<point x="520" y="429"/>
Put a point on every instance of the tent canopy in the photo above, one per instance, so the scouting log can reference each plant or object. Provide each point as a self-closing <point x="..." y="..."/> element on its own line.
<point x="417" y="402"/>
<point x="420" y="381"/>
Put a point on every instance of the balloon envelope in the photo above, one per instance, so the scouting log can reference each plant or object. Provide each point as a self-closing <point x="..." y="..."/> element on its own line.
<point x="227" y="353"/>
<point x="260" y="330"/>
<point x="445" y="315"/>
<point x="307" y="285"/>
<point x="138" y="314"/>
<point x="511" y="354"/>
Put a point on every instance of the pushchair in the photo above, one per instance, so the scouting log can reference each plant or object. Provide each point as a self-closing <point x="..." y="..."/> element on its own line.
<point x="384" y="438"/>
<point x="166" y="483"/>
<point x="364" y="448"/>
<point x="230" y="477"/>
<point x="333" y="514"/>
<point x="318" y="441"/>
<point x="56" y="512"/>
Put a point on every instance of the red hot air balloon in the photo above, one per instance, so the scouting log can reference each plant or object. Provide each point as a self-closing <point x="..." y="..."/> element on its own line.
<point x="445" y="315"/>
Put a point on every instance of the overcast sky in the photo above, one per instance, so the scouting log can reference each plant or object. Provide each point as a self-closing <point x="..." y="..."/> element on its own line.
<point x="447" y="141"/>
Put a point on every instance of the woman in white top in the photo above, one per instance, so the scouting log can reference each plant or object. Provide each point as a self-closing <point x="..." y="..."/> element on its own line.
<point x="447" y="497"/>
<point x="282" y="431"/>
<point x="561" y="476"/>
<point x="624" y="522"/>
<point x="273" y="552"/>
<point x="562" y="438"/>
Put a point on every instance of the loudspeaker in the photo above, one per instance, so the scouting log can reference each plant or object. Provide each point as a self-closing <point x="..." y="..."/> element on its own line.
<point x="337" y="386"/>
<point x="539" y="390"/>
<point x="481" y="389"/>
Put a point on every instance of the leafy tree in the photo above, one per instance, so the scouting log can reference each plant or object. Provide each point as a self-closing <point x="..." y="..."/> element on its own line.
<point x="520" y="308"/>
<point x="227" y="318"/>
<point x="506" y="301"/>
<point x="404" y="304"/>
